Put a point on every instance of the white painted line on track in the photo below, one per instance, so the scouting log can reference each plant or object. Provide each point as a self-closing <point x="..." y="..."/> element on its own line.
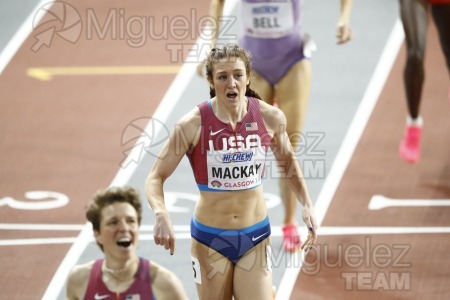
<point x="168" y="103"/>
<point x="58" y="281"/>
<point x="71" y="227"/>
<point x="337" y="230"/>
<point x="42" y="241"/>
<point x="360" y="120"/>
<point x="351" y="139"/>
<point x="56" y="227"/>
<point x="21" y="35"/>
<point x="378" y="202"/>
<point x="185" y="234"/>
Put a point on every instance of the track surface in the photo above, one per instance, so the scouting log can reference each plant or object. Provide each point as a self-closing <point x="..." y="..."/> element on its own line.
<point x="410" y="260"/>
<point x="66" y="136"/>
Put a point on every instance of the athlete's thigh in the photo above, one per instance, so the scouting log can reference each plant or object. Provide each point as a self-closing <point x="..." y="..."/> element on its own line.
<point x="253" y="274"/>
<point x="414" y="18"/>
<point x="292" y="93"/>
<point x="441" y="16"/>
<point x="213" y="273"/>
<point x="261" y="86"/>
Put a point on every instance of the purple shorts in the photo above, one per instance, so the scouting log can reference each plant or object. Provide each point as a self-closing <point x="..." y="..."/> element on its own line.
<point x="272" y="58"/>
<point x="273" y="61"/>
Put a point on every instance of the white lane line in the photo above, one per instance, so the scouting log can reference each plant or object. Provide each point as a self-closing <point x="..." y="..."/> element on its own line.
<point x="21" y="35"/>
<point x="352" y="137"/>
<point x="43" y="241"/>
<point x="58" y="281"/>
<point x="276" y="232"/>
<point x="327" y="231"/>
<point x="378" y="202"/>
<point x="168" y="103"/>
<point x="55" y="227"/>
<point x="72" y="227"/>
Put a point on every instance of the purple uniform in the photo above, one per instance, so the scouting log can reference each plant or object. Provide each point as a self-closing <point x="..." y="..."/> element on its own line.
<point x="271" y="32"/>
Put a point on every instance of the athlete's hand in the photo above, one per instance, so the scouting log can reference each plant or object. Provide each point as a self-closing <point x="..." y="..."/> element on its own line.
<point x="344" y="33"/>
<point x="311" y="224"/>
<point x="163" y="233"/>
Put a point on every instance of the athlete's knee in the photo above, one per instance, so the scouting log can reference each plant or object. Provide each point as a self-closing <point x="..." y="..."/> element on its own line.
<point x="416" y="56"/>
<point x="295" y="138"/>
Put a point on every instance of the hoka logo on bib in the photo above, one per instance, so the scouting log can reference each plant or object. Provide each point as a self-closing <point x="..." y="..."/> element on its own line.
<point x="237" y="157"/>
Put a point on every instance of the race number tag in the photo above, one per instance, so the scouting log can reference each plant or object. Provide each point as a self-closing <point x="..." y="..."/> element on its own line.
<point x="196" y="270"/>
<point x="268" y="20"/>
<point x="269" y="258"/>
<point x="235" y="169"/>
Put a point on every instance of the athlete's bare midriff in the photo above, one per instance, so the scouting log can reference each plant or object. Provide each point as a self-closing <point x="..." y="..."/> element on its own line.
<point x="231" y="210"/>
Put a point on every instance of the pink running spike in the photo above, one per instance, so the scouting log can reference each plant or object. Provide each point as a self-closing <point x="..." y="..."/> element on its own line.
<point x="291" y="238"/>
<point x="410" y="146"/>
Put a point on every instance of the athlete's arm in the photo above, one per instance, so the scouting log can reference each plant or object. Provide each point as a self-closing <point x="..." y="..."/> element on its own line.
<point x="216" y="12"/>
<point x="276" y="122"/>
<point x="344" y="32"/>
<point x="183" y="137"/>
<point x="77" y="281"/>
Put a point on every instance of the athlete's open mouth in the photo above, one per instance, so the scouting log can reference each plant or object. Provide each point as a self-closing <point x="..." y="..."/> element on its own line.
<point x="124" y="242"/>
<point x="232" y="95"/>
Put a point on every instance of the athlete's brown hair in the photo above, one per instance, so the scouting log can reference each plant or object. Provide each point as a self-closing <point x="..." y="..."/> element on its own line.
<point x="105" y="197"/>
<point x="228" y="51"/>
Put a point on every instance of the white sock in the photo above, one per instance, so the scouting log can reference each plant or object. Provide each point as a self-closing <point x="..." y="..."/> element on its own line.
<point x="417" y="122"/>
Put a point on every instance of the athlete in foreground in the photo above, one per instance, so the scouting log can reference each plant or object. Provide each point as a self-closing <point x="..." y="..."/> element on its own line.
<point x="271" y="30"/>
<point x="226" y="140"/>
<point x="115" y="214"/>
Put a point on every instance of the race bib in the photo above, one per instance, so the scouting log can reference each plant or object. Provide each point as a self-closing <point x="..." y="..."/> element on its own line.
<point x="268" y="19"/>
<point x="232" y="169"/>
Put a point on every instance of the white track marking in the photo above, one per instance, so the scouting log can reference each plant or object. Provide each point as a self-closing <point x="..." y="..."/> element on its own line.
<point x="59" y="278"/>
<point x="39" y="201"/>
<point x="43" y="241"/>
<point x="50" y="227"/>
<point x="327" y="231"/>
<point x="378" y="202"/>
<point x="352" y="137"/>
<point x="183" y="233"/>
<point x="21" y="35"/>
